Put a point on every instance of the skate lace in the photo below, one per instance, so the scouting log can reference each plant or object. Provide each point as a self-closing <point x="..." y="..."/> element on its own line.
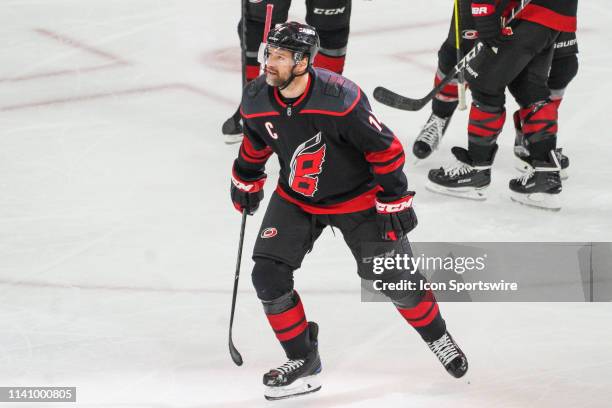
<point x="290" y="365"/>
<point x="444" y="349"/>
<point x="458" y="169"/>
<point x="432" y="131"/>
<point x="524" y="179"/>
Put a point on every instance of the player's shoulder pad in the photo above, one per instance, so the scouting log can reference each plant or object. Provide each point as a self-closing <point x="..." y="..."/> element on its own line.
<point x="255" y="99"/>
<point x="332" y="94"/>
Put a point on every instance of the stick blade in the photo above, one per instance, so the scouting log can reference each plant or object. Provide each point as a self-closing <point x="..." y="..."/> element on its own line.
<point x="390" y="98"/>
<point x="236" y="357"/>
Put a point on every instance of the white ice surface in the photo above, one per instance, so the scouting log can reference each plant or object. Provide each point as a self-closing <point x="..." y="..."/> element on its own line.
<point x="118" y="240"/>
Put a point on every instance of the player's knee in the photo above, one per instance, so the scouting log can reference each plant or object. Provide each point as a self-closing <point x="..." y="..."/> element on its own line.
<point x="495" y="102"/>
<point x="562" y="71"/>
<point x="271" y="279"/>
<point x="402" y="287"/>
<point x="527" y="94"/>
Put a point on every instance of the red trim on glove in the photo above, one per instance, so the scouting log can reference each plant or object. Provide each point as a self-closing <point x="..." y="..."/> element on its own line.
<point x="247" y="186"/>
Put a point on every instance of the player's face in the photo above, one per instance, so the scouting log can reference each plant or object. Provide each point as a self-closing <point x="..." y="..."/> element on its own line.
<point x="279" y="64"/>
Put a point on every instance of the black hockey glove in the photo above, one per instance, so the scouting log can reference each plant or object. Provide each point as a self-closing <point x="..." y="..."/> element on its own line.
<point x="488" y="22"/>
<point x="395" y="217"/>
<point x="247" y="193"/>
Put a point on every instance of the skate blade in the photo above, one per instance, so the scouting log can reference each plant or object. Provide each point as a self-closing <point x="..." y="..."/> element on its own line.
<point x="469" y="193"/>
<point x="233" y="139"/>
<point x="299" y="387"/>
<point x="523" y="167"/>
<point x="542" y="201"/>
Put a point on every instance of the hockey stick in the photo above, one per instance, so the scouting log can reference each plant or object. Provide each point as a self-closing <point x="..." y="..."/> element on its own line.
<point x="394" y="100"/>
<point x="236" y="357"/>
<point x="460" y="78"/>
<point x="232" y="125"/>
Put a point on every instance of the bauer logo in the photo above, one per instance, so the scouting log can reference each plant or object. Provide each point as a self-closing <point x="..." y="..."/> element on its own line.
<point x="269" y="232"/>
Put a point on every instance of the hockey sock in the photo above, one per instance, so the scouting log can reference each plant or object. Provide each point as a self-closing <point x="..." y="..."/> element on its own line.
<point x="287" y="319"/>
<point x="540" y="128"/>
<point x="335" y="64"/>
<point x="425" y="317"/>
<point x="485" y="125"/>
<point x="446" y="101"/>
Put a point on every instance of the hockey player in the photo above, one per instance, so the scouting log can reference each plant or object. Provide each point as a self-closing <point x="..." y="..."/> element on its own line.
<point x="521" y="62"/>
<point x="331" y="18"/>
<point x="563" y="70"/>
<point x="339" y="166"/>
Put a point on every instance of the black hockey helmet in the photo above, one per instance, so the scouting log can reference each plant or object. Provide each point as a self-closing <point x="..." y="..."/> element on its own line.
<point x="301" y="39"/>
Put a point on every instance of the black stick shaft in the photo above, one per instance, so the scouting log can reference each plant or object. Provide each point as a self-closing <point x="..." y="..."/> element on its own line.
<point x="236" y="357"/>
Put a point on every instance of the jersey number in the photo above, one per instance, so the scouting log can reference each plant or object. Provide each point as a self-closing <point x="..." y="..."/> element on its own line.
<point x="375" y="122"/>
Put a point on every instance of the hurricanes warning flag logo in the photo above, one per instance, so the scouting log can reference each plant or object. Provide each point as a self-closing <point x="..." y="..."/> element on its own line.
<point x="306" y="164"/>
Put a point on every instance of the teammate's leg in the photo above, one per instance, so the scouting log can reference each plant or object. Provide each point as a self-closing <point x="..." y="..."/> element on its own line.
<point x="445" y="103"/>
<point x="563" y="70"/>
<point x="331" y="18"/>
<point x="488" y="75"/>
<point x="256" y="18"/>
<point x="541" y="184"/>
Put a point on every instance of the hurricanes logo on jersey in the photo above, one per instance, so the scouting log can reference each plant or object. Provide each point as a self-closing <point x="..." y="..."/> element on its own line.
<point x="306" y="164"/>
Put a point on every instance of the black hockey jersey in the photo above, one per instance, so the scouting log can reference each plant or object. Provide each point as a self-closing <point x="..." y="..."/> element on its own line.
<point x="335" y="155"/>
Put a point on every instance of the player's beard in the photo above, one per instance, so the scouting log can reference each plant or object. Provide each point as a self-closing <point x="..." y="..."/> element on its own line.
<point x="275" y="78"/>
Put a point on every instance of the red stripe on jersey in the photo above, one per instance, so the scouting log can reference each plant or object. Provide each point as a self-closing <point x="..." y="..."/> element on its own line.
<point x="257" y="115"/>
<point x="362" y="202"/>
<point x="287" y="318"/>
<point x="385" y="155"/>
<point x="335" y="64"/>
<point x="332" y="113"/>
<point x="245" y="156"/>
<point x="254" y="153"/>
<point x="548" y="18"/>
<point x="389" y="168"/>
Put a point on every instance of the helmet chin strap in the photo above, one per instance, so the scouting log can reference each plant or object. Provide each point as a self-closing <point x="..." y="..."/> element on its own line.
<point x="291" y="78"/>
<point x="296" y="59"/>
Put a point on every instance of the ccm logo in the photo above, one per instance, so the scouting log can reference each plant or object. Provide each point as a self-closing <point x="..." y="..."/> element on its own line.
<point x="393" y="207"/>
<point x="269" y="232"/>
<point x="329" y="12"/>
<point x="241" y="186"/>
<point x="479" y="11"/>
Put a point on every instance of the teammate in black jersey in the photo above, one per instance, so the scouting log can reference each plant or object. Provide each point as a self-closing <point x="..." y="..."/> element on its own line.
<point x="563" y="69"/>
<point x="339" y="166"/>
<point x="521" y="62"/>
